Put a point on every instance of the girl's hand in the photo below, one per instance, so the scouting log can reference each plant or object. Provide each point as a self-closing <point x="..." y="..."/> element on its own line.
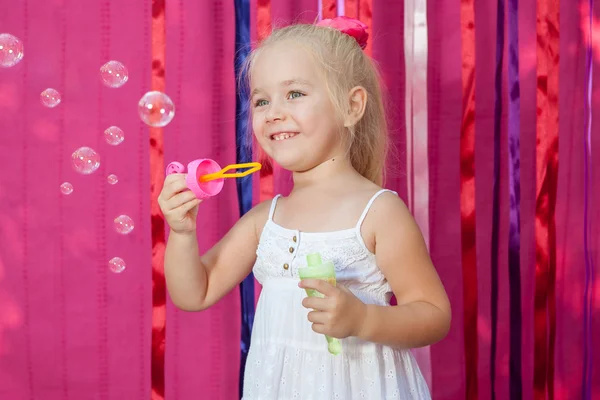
<point x="178" y="204"/>
<point x="339" y="314"/>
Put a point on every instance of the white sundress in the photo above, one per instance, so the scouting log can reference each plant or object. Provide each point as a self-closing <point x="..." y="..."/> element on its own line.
<point x="287" y="359"/>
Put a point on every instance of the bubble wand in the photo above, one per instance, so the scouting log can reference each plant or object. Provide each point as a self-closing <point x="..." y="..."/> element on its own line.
<point x="252" y="167"/>
<point x="205" y="177"/>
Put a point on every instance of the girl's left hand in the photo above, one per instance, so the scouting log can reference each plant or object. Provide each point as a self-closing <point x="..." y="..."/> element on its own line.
<point x="339" y="314"/>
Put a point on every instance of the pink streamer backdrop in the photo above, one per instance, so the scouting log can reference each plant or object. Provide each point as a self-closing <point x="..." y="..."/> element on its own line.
<point x="203" y="349"/>
<point x="417" y="162"/>
<point x="70" y="328"/>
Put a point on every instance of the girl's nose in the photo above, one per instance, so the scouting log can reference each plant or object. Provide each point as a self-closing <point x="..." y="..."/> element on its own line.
<point x="274" y="113"/>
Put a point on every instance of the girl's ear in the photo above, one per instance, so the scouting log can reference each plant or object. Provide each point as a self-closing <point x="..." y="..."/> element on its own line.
<point x="357" y="103"/>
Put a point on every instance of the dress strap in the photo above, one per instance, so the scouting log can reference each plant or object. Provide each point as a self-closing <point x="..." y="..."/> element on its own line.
<point x="369" y="204"/>
<point x="273" y="205"/>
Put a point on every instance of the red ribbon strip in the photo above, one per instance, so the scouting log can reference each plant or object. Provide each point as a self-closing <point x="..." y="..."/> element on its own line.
<point x="157" y="170"/>
<point x="329" y="9"/>
<point x="361" y="10"/>
<point x="467" y="196"/>
<point x="546" y="185"/>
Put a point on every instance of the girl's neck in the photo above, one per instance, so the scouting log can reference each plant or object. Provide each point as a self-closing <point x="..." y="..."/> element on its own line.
<point x="325" y="174"/>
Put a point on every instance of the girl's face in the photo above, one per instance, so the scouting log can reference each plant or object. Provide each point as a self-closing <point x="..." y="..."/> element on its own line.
<point x="293" y="117"/>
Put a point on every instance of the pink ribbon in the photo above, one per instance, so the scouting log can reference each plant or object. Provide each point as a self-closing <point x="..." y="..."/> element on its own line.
<point x="417" y="168"/>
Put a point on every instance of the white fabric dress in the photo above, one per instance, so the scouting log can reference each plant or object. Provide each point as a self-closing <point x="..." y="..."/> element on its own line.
<point x="287" y="359"/>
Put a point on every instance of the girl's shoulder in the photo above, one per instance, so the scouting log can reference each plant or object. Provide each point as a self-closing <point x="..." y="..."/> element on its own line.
<point x="259" y="214"/>
<point x="385" y="208"/>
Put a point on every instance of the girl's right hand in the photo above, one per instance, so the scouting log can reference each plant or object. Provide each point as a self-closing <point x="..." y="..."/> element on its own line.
<point x="178" y="204"/>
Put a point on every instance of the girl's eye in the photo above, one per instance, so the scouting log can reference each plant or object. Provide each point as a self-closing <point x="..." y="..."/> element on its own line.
<point x="260" y="103"/>
<point x="295" y="95"/>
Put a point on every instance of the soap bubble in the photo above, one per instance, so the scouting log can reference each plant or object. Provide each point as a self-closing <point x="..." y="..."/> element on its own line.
<point x="114" y="135"/>
<point x="117" y="265"/>
<point x="112" y="179"/>
<point x="123" y="224"/>
<point x="66" y="188"/>
<point x="156" y="109"/>
<point x="50" y="98"/>
<point x="11" y="50"/>
<point x="85" y="160"/>
<point x="114" y="74"/>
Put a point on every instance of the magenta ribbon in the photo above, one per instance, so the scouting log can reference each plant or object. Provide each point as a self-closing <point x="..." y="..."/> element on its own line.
<point x="587" y="192"/>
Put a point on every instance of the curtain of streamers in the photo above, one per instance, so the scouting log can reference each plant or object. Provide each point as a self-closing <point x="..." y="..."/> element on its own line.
<point x="479" y="120"/>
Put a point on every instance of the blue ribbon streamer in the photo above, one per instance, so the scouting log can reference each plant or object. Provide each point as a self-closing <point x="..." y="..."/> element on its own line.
<point x="514" y="238"/>
<point x="514" y="171"/>
<point x="496" y="193"/>
<point x="243" y="155"/>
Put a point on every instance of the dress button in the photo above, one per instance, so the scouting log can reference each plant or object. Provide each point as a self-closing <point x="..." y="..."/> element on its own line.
<point x="295" y="239"/>
<point x="286" y="266"/>
<point x="291" y="249"/>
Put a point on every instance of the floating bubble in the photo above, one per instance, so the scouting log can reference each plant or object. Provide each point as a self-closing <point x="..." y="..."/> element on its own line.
<point x="123" y="224"/>
<point x="11" y="50"/>
<point x="50" y="98"/>
<point x="85" y="160"/>
<point x="66" y="188"/>
<point x="114" y="74"/>
<point x="156" y="109"/>
<point x="112" y="179"/>
<point x="117" y="265"/>
<point x="114" y="135"/>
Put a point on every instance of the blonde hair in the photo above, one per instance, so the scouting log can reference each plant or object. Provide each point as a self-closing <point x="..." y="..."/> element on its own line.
<point x="345" y="66"/>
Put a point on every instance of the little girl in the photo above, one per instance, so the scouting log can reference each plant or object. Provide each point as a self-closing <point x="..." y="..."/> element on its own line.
<point x="317" y="110"/>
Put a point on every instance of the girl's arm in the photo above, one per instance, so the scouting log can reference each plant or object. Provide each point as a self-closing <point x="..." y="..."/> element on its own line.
<point x="197" y="282"/>
<point x="423" y="314"/>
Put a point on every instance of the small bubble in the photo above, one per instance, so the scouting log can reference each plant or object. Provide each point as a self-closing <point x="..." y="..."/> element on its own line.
<point x="117" y="265"/>
<point x="124" y="224"/>
<point x="85" y="160"/>
<point x="66" y="188"/>
<point x="50" y="98"/>
<point x="112" y="179"/>
<point x="114" y="74"/>
<point x="114" y="135"/>
<point x="11" y="50"/>
<point x="156" y="109"/>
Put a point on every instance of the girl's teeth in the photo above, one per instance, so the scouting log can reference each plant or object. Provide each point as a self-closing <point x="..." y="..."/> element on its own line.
<point x="284" y="136"/>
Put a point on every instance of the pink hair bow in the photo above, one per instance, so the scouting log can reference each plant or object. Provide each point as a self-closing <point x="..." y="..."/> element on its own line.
<point x="349" y="26"/>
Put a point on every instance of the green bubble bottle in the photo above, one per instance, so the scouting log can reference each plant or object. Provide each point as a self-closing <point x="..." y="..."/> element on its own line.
<point x="317" y="269"/>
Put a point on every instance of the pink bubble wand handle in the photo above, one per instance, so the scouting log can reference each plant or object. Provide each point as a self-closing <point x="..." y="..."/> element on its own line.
<point x="195" y="170"/>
